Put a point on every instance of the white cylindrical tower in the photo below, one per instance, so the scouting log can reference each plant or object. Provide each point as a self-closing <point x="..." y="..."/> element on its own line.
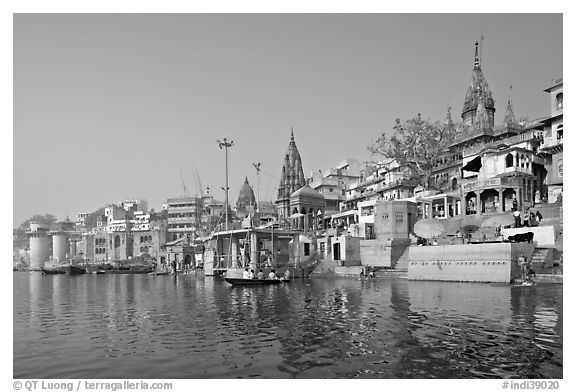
<point x="39" y="245"/>
<point x="59" y="245"/>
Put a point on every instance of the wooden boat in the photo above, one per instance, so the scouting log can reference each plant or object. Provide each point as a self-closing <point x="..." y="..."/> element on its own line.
<point x="52" y="271"/>
<point x="74" y="270"/>
<point x="159" y="273"/>
<point x="247" y="282"/>
<point x="131" y="270"/>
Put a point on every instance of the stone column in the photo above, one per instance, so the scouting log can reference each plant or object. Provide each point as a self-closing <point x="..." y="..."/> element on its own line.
<point x="477" y="202"/>
<point x="254" y="254"/>
<point x="501" y="199"/>
<point x="296" y="250"/>
<point x="446" y="207"/>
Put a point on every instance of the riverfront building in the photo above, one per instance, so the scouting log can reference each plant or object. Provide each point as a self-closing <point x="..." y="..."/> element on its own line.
<point x="184" y="216"/>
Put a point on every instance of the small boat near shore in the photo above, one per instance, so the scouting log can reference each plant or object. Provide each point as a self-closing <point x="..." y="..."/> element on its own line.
<point x="74" y="270"/>
<point x="131" y="270"/>
<point x="250" y="282"/>
<point x="159" y="273"/>
<point x="52" y="271"/>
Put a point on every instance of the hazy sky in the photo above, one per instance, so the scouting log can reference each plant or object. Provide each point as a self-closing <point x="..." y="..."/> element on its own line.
<point x="114" y="106"/>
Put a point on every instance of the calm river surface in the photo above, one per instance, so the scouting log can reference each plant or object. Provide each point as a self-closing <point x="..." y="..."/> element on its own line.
<point x="145" y="326"/>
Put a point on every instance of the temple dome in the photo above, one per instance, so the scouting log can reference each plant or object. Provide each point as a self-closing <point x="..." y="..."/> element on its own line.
<point x="246" y="197"/>
<point x="307" y="192"/>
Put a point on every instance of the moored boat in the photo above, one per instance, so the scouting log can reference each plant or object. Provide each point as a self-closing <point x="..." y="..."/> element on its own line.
<point x="74" y="270"/>
<point x="249" y="282"/>
<point x="52" y="271"/>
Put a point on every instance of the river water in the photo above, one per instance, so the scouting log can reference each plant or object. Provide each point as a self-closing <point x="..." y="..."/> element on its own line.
<point x="145" y="326"/>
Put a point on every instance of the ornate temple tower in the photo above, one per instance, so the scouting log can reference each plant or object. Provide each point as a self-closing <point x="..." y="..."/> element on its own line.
<point x="478" y="103"/>
<point x="246" y="202"/>
<point x="291" y="179"/>
<point x="509" y="118"/>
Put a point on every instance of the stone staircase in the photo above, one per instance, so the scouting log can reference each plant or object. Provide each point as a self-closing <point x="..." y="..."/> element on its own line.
<point x="542" y="258"/>
<point x="402" y="263"/>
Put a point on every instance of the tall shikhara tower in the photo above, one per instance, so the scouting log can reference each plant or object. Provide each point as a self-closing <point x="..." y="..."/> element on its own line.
<point x="478" y="107"/>
<point x="292" y="178"/>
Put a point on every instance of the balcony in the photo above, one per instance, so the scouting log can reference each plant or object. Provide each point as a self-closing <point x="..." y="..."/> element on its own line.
<point x="523" y="137"/>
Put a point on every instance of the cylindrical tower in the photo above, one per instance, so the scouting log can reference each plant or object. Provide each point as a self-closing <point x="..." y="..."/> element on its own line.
<point x="39" y="245"/>
<point x="61" y="232"/>
<point x="59" y="246"/>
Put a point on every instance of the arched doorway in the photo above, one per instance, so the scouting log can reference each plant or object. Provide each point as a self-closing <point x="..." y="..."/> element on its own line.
<point x="490" y="200"/>
<point x="470" y="200"/>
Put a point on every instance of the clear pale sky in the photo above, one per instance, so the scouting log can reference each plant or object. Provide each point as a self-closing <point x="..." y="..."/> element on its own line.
<point x="114" y="106"/>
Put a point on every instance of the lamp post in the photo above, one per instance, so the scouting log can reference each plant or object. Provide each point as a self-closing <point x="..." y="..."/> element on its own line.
<point x="257" y="167"/>
<point x="226" y="144"/>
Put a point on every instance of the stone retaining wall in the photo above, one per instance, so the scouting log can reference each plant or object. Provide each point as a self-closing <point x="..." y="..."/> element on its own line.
<point x="494" y="262"/>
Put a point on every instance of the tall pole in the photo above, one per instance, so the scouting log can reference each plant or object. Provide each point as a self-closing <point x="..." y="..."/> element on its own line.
<point x="226" y="144"/>
<point x="257" y="166"/>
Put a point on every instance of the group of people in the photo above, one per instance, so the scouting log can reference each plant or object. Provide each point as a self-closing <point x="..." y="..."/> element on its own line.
<point x="249" y="274"/>
<point x="528" y="219"/>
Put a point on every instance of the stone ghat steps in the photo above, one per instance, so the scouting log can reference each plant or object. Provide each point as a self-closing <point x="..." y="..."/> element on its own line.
<point x="402" y="263"/>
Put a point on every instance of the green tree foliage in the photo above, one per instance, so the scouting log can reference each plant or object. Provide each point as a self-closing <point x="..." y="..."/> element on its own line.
<point x="416" y="143"/>
<point x="19" y="237"/>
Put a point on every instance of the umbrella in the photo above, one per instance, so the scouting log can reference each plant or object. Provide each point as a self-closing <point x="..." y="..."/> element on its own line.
<point x="499" y="220"/>
<point x="452" y="226"/>
<point x="470" y="228"/>
<point x="428" y="228"/>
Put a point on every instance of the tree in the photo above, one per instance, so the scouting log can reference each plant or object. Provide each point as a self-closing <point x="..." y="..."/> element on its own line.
<point x="416" y="143"/>
<point x="19" y="237"/>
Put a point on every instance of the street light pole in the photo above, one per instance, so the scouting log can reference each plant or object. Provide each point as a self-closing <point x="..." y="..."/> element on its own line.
<point x="226" y="144"/>
<point x="257" y="167"/>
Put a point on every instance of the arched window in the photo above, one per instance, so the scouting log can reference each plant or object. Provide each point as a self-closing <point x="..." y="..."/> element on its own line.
<point x="454" y="184"/>
<point x="559" y="100"/>
<point x="509" y="160"/>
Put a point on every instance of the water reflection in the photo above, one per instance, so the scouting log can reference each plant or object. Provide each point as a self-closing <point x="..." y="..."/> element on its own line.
<point x="141" y="326"/>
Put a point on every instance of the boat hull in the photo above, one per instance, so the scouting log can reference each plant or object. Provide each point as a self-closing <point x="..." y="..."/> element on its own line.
<point x="252" y="282"/>
<point x="53" y="271"/>
<point x="74" y="270"/>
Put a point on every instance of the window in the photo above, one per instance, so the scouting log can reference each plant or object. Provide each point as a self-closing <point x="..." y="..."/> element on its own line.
<point x="306" y="249"/>
<point x="559" y="100"/>
<point x="509" y="160"/>
<point x="560" y="168"/>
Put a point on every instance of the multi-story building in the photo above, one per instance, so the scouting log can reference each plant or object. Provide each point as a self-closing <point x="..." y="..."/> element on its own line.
<point x="332" y="183"/>
<point x="184" y="216"/>
<point x="80" y="218"/>
<point x="388" y="181"/>
<point x="552" y="147"/>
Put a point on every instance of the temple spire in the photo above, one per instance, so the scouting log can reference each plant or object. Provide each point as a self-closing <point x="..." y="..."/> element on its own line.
<point x="476" y="57"/>
<point x="449" y="121"/>
<point x="292" y="134"/>
<point x="509" y="117"/>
